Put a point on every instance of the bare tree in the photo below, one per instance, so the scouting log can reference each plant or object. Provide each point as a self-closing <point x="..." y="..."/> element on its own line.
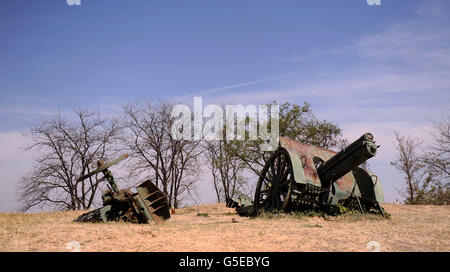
<point x="437" y="154"/>
<point x="172" y="164"/>
<point x="409" y="163"/>
<point x="436" y="157"/>
<point x="68" y="150"/>
<point x="227" y="170"/>
<point x="427" y="174"/>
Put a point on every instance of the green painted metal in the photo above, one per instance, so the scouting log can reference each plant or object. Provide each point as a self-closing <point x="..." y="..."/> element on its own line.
<point x="148" y="204"/>
<point x="152" y="202"/>
<point x="379" y="194"/>
<point x="142" y="208"/>
<point x="337" y="167"/>
<point x="347" y="159"/>
<point x="103" y="213"/>
<point x="243" y="204"/>
<point x="321" y="177"/>
<point x="103" y="166"/>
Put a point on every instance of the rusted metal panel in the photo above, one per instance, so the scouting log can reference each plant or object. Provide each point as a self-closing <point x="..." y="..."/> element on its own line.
<point x="302" y="156"/>
<point x="305" y="172"/>
<point x="301" y="159"/>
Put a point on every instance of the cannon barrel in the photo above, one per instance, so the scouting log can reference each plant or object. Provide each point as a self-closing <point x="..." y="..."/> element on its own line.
<point x="347" y="159"/>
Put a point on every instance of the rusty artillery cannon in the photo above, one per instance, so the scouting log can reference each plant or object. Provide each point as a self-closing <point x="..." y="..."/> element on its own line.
<point x="147" y="204"/>
<point x="299" y="176"/>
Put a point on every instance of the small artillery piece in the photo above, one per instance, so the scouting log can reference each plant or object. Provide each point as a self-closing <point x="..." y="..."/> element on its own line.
<point x="147" y="204"/>
<point x="299" y="176"/>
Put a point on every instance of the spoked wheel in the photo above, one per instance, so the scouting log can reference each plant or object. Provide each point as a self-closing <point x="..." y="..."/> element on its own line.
<point x="274" y="185"/>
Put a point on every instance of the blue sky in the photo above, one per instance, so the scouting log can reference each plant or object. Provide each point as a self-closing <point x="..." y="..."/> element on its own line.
<point x="365" y="68"/>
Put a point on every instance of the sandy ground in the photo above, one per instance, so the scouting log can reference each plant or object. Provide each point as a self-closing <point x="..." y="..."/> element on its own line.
<point x="211" y="228"/>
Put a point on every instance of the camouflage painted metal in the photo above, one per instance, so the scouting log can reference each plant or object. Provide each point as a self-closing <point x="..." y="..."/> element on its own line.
<point x="146" y="205"/>
<point x="302" y="176"/>
<point x="243" y="204"/>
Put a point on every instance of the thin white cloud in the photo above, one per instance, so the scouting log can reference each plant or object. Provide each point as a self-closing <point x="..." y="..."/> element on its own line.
<point x="234" y="86"/>
<point x="373" y="86"/>
<point x="313" y="54"/>
<point x="433" y="8"/>
<point x="383" y="132"/>
<point x="399" y="78"/>
<point x="412" y="58"/>
<point x="25" y="110"/>
<point x="412" y="42"/>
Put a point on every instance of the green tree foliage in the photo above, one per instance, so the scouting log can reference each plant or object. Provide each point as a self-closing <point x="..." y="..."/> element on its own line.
<point x="295" y="122"/>
<point x="300" y="124"/>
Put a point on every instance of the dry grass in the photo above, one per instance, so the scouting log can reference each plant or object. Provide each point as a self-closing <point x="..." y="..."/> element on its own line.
<point x="210" y="228"/>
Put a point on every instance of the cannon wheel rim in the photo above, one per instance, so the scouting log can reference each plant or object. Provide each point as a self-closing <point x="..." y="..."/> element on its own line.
<point x="275" y="197"/>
